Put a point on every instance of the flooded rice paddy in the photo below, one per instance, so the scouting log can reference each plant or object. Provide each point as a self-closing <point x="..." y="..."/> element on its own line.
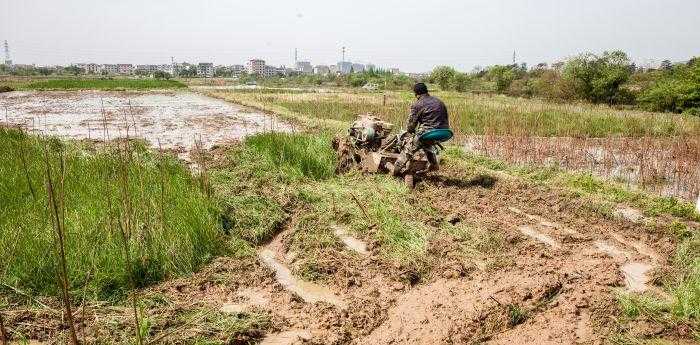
<point x="171" y="120"/>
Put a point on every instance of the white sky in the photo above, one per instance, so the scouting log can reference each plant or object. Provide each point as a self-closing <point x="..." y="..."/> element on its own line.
<point x="409" y="34"/>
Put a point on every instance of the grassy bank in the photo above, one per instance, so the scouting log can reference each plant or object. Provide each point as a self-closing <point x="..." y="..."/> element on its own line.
<point x="98" y="84"/>
<point x="480" y="114"/>
<point x="288" y="180"/>
<point x="113" y="202"/>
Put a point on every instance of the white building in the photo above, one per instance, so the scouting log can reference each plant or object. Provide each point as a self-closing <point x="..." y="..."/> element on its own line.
<point x="205" y="69"/>
<point x="256" y="66"/>
<point x="237" y="69"/>
<point x="322" y="70"/>
<point x="125" y="68"/>
<point x="304" y="67"/>
<point x="110" y="69"/>
<point x="358" y="68"/>
<point x="93" y="68"/>
<point x="344" y="67"/>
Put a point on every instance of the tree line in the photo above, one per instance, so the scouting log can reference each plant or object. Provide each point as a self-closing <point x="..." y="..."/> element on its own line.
<point x="609" y="78"/>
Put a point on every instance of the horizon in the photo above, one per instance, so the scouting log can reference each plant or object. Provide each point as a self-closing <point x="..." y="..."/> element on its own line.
<point x="227" y="33"/>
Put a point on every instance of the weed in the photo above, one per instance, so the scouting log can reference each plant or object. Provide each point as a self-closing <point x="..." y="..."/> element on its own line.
<point x="516" y="315"/>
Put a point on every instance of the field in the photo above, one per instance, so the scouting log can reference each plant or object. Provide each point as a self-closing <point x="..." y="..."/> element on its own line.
<point x="658" y="152"/>
<point x="261" y="242"/>
<point x="91" y="84"/>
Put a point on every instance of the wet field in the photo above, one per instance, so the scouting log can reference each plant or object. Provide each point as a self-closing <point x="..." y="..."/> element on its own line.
<point x="170" y="120"/>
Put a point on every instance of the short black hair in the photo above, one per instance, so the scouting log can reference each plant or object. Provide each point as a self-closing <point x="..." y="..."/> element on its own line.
<point x="420" y="89"/>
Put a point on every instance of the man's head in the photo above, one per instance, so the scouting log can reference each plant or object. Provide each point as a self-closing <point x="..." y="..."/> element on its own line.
<point x="420" y="89"/>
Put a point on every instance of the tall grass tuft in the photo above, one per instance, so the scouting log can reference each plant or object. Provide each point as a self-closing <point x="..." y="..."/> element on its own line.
<point x="171" y="227"/>
<point x="56" y="208"/>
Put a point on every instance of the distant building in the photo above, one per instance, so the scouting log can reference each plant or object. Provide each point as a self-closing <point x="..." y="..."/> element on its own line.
<point x="125" y="68"/>
<point x="322" y="70"/>
<point x="205" y="69"/>
<point x="256" y="66"/>
<point x="358" y="68"/>
<point x="110" y="69"/>
<point x="304" y="67"/>
<point x="92" y="68"/>
<point x="344" y="67"/>
<point x="237" y="69"/>
<point x="394" y="71"/>
<point x="333" y="69"/>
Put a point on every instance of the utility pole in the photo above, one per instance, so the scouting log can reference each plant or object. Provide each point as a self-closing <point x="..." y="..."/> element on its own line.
<point x="172" y="65"/>
<point x="343" y="55"/>
<point x="513" y="57"/>
<point x="296" y="57"/>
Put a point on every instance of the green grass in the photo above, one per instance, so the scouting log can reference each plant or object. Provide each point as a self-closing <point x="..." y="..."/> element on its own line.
<point x="285" y="173"/>
<point x="479" y="114"/>
<point x="102" y="84"/>
<point x="583" y="184"/>
<point x="173" y="229"/>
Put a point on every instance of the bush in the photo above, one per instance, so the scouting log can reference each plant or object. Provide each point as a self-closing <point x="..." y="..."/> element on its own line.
<point x="678" y="91"/>
<point x="443" y="76"/>
<point x="598" y="78"/>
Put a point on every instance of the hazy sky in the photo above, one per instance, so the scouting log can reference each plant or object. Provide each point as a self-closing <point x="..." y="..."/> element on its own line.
<point x="409" y="34"/>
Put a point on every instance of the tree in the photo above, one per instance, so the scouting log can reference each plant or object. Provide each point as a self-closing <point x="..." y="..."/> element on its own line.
<point x="598" y="78"/>
<point x="503" y="76"/>
<point x="442" y="75"/>
<point x="75" y="70"/>
<point x="666" y="65"/>
<point x="161" y="75"/>
<point x="460" y="82"/>
<point x="678" y="91"/>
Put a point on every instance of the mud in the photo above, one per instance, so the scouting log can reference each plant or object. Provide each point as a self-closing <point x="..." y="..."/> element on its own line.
<point x="170" y="120"/>
<point x="309" y="292"/>
<point x="549" y="274"/>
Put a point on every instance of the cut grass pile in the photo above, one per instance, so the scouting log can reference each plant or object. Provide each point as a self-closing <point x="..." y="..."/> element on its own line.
<point x="101" y="84"/>
<point x="479" y="114"/>
<point x="171" y="227"/>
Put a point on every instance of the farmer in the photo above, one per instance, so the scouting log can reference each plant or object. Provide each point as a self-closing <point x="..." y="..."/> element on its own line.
<point x="428" y="124"/>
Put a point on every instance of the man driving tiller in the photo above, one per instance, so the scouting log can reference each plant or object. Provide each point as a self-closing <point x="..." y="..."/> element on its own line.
<point x="429" y="125"/>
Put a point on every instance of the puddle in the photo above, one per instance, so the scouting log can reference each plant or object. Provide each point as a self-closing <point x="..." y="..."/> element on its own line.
<point x="173" y="119"/>
<point x="254" y="296"/>
<point x="233" y="308"/>
<point x="636" y="276"/>
<point x="286" y="338"/>
<point x="309" y="292"/>
<point x="543" y="221"/>
<point x="611" y="250"/>
<point x="630" y="214"/>
<point x="635" y="273"/>
<point x="351" y="242"/>
<point x="641" y="248"/>
<point x="531" y="232"/>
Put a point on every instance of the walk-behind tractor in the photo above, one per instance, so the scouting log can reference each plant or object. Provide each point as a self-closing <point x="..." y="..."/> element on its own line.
<point x="371" y="147"/>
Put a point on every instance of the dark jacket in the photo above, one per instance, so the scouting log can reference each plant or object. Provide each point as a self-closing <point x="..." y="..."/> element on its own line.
<point x="429" y="112"/>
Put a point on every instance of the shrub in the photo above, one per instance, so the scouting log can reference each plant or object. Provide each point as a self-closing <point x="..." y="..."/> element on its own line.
<point x="598" y="78"/>
<point x="678" y="91"/>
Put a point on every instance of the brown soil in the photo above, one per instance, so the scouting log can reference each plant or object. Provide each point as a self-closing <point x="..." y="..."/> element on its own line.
<point x="529" y="292"/>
